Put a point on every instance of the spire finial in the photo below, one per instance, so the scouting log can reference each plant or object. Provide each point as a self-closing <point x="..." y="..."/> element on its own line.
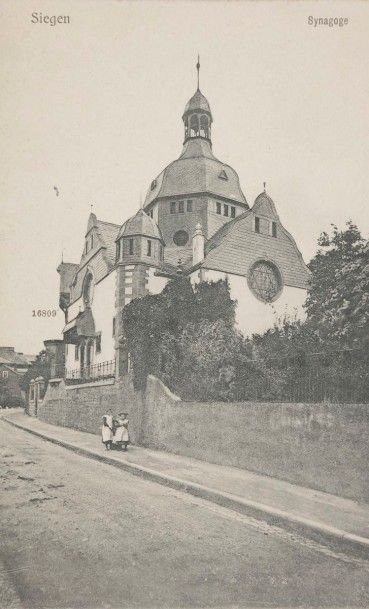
<point x="92" y="206"/>
<point x="198" y="72"/>
<point x="264" y="186"/>
<point x="62" y="256"/>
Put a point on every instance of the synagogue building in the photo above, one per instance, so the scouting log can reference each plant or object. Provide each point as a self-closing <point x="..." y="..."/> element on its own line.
<point x="195" y="220"/>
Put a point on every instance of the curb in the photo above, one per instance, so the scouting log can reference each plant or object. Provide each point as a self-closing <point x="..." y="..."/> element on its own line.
<point x="310" y="528"/>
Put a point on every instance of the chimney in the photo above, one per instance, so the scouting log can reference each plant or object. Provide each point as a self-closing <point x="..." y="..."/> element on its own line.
<point x="198" y="245"/>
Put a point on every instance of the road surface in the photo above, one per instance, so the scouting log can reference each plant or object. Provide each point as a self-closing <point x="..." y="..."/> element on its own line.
<point x="81" y="534"/>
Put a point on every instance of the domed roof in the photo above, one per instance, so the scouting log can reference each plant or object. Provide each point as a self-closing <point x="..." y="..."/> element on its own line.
<point x="197" y="170"/>
<point x="140" y="224"/>
<point x="197" y="102"/>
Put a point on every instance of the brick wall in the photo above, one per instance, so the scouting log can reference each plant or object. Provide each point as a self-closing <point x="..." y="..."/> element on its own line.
<point x="323" y="446"/>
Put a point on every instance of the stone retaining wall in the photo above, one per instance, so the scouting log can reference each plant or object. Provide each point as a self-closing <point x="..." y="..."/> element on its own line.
<point x="323" y="446"/>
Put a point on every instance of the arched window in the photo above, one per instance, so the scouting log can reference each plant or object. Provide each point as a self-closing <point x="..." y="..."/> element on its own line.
<point x="194" y="125"/>
<point x="204" y="126"/>
<point x="88" y="290"/>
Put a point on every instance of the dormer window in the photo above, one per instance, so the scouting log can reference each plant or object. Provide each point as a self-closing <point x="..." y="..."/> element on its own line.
<point x="233" y="212"/>
<point x="153" y="184"/>
<point x="257" y="225"/>
<point x="173" y="207"/>
<point x="274" y="229"/>
<point x="181" y="207"/>
<point x="223" y="175"/>
<point x="92" y="241"/>
<point x="226" y="209"/>
<point x="149" y="247"/>
<point x="219" y="208"/>
<point x="131" y="247"/>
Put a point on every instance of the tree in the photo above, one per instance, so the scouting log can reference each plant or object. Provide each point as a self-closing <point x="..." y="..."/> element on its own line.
<point x="40" y="367"/>
<point x="147" y="320"/>
<point x="338" y="301"/>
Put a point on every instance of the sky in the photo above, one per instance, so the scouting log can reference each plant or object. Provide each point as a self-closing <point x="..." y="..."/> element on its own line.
<point x="93" y="108"/>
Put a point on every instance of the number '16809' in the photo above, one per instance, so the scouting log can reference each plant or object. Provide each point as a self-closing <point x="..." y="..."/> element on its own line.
<point x="43" y="313"/>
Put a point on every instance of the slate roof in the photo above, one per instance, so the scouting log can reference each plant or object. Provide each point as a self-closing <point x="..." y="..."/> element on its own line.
<point x="197" y="102"/>
<point x="9" y="357"/>
<point x="101" y="258"/>
<point x="108" y="233"/>
<point x="197" y="170"/>
<point x="140" y="224"/>
<point x="236" y="246"/>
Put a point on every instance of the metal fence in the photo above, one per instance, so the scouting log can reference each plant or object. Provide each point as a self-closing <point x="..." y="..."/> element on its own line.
<point x="90" y="373"/>
<point x="336" y="376"/>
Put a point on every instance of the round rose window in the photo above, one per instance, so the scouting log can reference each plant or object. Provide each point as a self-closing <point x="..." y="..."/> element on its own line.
<point x="265" y="281"/>
<point x="180" y="237"/>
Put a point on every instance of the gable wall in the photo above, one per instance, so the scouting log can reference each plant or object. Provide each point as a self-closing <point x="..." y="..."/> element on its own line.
<point x="242" y="247"/>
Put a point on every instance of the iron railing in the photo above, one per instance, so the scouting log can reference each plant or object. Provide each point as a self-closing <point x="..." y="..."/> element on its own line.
<point x="90" y="373"/>
<point x="337" y="376"/>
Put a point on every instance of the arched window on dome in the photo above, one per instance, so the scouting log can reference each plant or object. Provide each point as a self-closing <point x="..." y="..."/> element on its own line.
<point x="194" y="125"/>
<point x="204" y="126"/>
<point x="186" y="126"/>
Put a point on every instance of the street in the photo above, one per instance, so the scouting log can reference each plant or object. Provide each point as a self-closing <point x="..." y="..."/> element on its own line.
<point x="78" y="533"/>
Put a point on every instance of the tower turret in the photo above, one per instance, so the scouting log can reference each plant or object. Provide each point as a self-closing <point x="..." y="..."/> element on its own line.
<point x="197" y="117"/>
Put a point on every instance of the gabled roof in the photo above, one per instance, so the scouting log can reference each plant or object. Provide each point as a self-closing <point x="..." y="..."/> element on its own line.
<point x="236" y="246"/>
<point x="108" y="233"/>
<point x="10" y="357"/>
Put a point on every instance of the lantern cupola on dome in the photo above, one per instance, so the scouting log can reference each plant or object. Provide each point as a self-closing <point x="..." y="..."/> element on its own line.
<point x="197" y="116"/>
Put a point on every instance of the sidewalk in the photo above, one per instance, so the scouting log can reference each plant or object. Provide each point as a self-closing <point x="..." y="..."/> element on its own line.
<point x="314" y="513"/>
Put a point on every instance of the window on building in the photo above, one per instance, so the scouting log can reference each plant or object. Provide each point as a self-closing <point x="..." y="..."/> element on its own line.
<point x="181" y="207"/>
<point x="204" y="126"/>
<point x="76" y="352"/>
<point x="180" y="238"/>
<point x="153" y="184"/>
<point x="265" y="281"/>
<point x="149" y="247"/>
<point x="5" y="374"/>
<point x="226" y="210"/>
<point x="113" y="326"/>
<point x="257" y="225"/>
<point x="194" y="125"/>
<point x="233" y="212"/>
<point x="88" y="289"/>
<point x="131" y="247"/>
<point x="219" y="208"/>
<point x="223" y="175"/>
<point x="173" y="207"/>
<point x="274" y="229"/>
<point x="189" y="205"/>
<point x="32" y="393"/>
<point x="98" y="343"/>
<point x="92" y="241"/>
